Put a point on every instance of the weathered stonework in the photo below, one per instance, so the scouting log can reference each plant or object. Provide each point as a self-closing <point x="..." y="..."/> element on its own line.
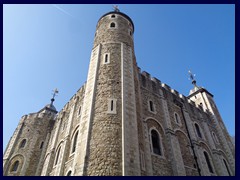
<point x="122" y="122"/>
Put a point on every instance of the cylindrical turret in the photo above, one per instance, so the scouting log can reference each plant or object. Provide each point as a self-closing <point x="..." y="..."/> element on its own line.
<point x="108" y="124"/>
<point x="114" y="27"/>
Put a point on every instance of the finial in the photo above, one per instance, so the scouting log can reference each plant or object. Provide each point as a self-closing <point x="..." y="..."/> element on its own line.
<point x="116" y="8"/>
<point x="192" y="78"/>
<point x="55" y="92"/>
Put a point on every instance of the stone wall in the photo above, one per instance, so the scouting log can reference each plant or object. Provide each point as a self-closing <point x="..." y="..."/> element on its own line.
<point x="33" y="129"/>
<point x="151" y="89"/>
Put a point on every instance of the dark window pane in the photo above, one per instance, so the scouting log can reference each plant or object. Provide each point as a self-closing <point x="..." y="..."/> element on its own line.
<point x="156" y="142"/>
<point x="74" y="142"/>
<point x="69" y="173"/>
<point x="112" y="25"/>
<point x="225" y="163"/>
<point x="208" y="162"/>
<point x="15" y="166"/>
<point x="57" y="155"/>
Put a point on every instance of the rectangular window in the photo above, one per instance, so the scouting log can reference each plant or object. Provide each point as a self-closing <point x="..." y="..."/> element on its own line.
<point x="112" y="106"/>
<point x="106" y="58"/>
<point x="151" y="106"/>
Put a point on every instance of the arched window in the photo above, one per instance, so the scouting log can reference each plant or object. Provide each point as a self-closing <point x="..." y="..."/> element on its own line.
<point x="113" y="16"/>
<point x="58" y="153"/>
<point x="177" y="118"/>
<point x="208" y="162"/>
<point x="112" y="25"/>
<point x="23" y="143"/>
<point x="198" y="130"/>
<point x="106" y="58"/>
<point x="15" y="166"/>
<point x="69" y="173"/>
<point x="156" y="142"/>
<point x="74" y="142"/>
<point x="225" y="163"/>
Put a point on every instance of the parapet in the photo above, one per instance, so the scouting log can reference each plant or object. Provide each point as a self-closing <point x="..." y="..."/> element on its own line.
<point x="153" y="85"/>
<point x="80" y="91"/>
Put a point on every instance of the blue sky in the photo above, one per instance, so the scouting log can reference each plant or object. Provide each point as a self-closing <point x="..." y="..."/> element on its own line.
<point x="49" y="46"/>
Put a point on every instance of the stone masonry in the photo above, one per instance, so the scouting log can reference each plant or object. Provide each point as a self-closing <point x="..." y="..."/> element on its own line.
<point x="122" y="122"/>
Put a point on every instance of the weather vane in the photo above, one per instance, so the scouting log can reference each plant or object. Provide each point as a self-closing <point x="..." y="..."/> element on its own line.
<point x="116" y="8"/>
<point x="192" y="77"/>
<point x="55" y="92"/>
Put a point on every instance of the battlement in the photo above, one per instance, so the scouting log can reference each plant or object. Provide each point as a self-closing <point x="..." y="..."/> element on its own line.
<point x="76" y="95"/>
<point x="153" y="84"/>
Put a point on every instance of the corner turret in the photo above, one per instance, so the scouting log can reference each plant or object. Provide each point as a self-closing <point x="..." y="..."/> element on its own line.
<point x="26" y="148"/>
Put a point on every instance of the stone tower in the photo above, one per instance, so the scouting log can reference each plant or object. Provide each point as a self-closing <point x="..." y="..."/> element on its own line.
<point x="205" y="100"/>
<point x="26" y="148"/>
<point x="109" y="109"/>
<point x="123" y="122"/>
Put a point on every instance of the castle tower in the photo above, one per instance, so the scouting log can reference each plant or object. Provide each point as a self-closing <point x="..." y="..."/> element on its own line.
<point x="109" y="109"/>
<point x="26" y="148"/>
<point x="204" y="99"/>
<point x="122" y="122"/>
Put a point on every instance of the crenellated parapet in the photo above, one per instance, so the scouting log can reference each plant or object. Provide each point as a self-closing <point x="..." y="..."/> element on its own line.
<point x="154" y="85"/>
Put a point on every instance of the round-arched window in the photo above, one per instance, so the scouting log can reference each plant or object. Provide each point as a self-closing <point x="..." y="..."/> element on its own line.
<point x="15" y="166"/>
<point x="156" y="145"/>
<point x="69" y="173"/>
<point x="112" y="25"/>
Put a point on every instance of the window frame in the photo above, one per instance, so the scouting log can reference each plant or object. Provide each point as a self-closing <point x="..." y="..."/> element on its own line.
<point x="151" y="106"/>
<point x="69" y="173"/>
<point x="104" y="58"/>
<point x="198" y="130"/>
<point x="226" y="166"/>
<point x="112" y="106"/>
<point x="57" y="156"/>
<point x="113" y="16"/>
<point x="74" y="142"/>
<point x="159" y="143"/>
<point x="112" y="25"/>
<point x="208" y="161"/>
<point x="15" y="166"/>
<point x="177" y="119"/>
